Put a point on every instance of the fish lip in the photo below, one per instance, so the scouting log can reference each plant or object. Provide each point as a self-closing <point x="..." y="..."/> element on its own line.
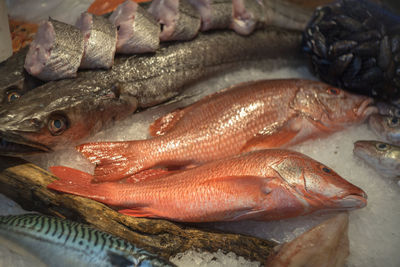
<point x="15" y="145"/>
<point x="366" y="109"/>
<point x="353" y="201"/>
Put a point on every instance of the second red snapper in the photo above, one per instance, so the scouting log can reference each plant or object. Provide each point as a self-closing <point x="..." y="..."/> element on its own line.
<point x="249" y="116"/>
<point x="269" y="184"/>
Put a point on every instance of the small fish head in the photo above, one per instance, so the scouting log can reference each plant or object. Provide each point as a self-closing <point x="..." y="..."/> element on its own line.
<point x="43" y="120"/>
<point x="331" y="107"/>
<point x="388" y="127"/>
<point x="319" y="186"/>
<point x="382" y="156"/>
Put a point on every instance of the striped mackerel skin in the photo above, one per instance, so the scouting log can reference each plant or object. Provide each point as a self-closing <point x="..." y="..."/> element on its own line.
<point x="59" y="242"/>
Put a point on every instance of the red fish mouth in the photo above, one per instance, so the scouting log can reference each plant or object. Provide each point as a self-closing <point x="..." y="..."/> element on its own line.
<point x="366" y="109"/>
<point x="353" y="201"/>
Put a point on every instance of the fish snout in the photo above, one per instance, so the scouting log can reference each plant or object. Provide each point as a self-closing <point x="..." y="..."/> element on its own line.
<point x="354" y="200"/>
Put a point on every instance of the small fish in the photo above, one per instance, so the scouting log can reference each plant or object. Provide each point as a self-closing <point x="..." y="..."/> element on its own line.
<point x="100" y="38"/>
<point x="326" y="244"/>
<point x="249" y="116"/>
<point x="60" y="113"/>
<point x="383" y="157"/>
<point x="58" y="242"/>
<point x="386" y="127"/>
<point x="56" y="51"/>
<point x="267" y="184"/>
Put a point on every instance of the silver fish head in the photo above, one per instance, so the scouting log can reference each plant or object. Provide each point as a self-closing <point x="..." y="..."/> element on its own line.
<point x="318" y="186"/>
<point x="383" y="157"/>
<point x="15" y="81"/>
<point x="388" y="109"/>
<point x="58" y="114"/>
<point x="387" y="127"/>
<point x="331" y="107"/>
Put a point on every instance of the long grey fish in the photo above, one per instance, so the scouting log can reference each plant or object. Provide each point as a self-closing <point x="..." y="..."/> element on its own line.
<point x="56" y="242"/>
<point x="15" y="81"/>
<point x="383" y="157"/>
<point x="64" y="112"/>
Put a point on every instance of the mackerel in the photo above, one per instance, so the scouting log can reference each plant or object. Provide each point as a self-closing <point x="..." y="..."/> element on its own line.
<point x="57" y="242"/>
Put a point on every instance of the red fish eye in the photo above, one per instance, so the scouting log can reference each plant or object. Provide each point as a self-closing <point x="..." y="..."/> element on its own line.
<point x="57" y="124"/>
<point x="333" y="91"/>
<point x="326" y="169"/>
<point x="12" y="96"/>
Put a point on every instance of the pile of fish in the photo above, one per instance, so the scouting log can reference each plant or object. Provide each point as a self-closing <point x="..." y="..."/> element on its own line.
<point x="59" y="49"/>
<point x="223" y="158"/>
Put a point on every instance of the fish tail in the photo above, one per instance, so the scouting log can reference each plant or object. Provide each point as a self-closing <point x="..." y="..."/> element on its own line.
<point x="114" y="160"/>
<point x="79" y="183"/>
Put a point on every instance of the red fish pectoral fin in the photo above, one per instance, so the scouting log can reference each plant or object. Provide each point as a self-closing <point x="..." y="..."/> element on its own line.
<point x="63" y="172"/>
<point x="140" y="212"/>
<point x="165" y="123"/>
<point x="277" y="139"/>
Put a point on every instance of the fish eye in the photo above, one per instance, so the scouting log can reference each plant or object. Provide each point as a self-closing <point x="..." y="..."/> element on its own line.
<point x="394" y="121"/>
<point x="326" y="169"/>
<point x="12" y="96"/>
<point x="333" y="91"/>
<point x="57" y="124"/>
<point x="382" y="146"/>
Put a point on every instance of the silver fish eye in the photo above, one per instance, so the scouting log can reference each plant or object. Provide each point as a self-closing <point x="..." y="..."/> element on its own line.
<point x="57" y="124"/>
<point x="393" y="121"/>
<point x="382" y="146"/>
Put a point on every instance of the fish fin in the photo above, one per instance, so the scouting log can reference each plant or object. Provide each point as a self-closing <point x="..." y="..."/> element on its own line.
<point x="111" y="159"/>
<point x="140" y="212"/>
<point x="148" y="174"/>
<point x="76" y="182"/>
<point x="165" y="123"/>
<point x="277" y="139"/>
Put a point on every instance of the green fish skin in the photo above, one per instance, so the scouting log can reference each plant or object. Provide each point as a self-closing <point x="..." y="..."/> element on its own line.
<point x="58" y="242"/>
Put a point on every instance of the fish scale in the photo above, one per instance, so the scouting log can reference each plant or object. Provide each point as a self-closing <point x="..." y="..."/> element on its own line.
<point x="59" y="242"/>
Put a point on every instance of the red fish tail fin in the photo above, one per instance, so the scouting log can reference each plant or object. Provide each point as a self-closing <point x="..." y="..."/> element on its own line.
<point x="114" y="160"/>
<point x="76" y="182"/>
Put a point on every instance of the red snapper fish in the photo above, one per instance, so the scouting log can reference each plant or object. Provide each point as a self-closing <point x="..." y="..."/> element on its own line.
<point x="246" y="117"/>
<point x="269" y="184"/>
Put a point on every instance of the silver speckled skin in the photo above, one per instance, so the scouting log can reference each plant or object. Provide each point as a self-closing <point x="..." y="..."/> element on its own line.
<point x="138" y="31"/>
<point x="100" y="46"/>
<point x="383" y="157"/>
<point x="220" y="15"/>
<point x="148" y="78"/>
<point x="188" y="23"/>
<point x="66" y="53"/>
<point x="58" y="242"/>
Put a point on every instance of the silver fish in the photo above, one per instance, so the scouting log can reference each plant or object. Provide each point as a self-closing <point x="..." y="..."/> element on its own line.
<point x="59" y="113"/>
<point x="57" y="242"/>
<point x="56" y="51"/>
<point x="100" y="38"/>
<point x="383" y="157"/>
<point x="386" y="127"/>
